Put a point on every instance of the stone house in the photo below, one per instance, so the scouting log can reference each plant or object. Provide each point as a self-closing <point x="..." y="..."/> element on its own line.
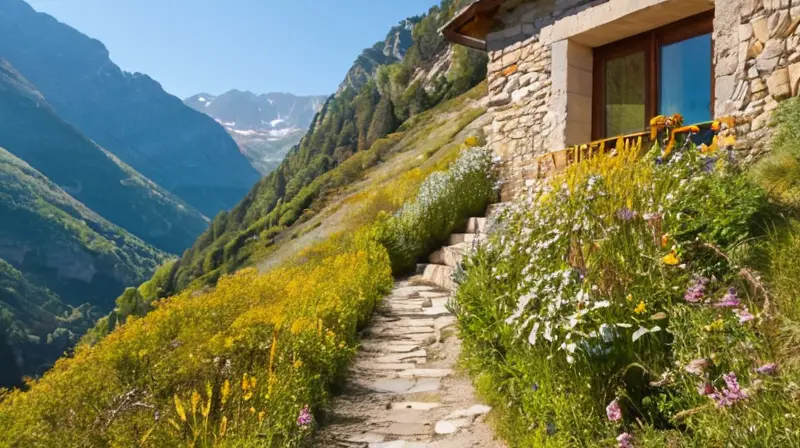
<point x="567" y="72"/>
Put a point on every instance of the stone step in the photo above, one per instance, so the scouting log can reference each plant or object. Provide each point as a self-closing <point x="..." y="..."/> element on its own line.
<point x="437" y="274"/>
<point x="476" y="225"/>
<point x="458" y="238"/>
<point x="450" y="255"/>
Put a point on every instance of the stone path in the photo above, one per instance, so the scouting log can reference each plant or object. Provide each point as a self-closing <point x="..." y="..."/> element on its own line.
<point x="403" y="390"/>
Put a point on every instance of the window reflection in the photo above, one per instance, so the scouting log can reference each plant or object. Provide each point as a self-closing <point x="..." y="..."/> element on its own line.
<point x="685" y="79"/>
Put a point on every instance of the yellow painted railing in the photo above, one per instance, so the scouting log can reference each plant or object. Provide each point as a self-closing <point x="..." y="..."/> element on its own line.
<point x="662" y="129"/>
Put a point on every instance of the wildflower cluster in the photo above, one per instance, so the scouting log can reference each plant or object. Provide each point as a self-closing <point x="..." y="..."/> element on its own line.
<point x="614" y="279"/>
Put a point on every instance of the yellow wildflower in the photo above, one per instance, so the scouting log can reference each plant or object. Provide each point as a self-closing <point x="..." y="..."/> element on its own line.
<point x="195" y="401"/>
<point x="640" y="308"/>
<point x="629" y="298"/>
<point x="664" y="240"/>
<point x="717" y="325"/>
<point x="671" y="258"/>
<point x="261" y="416"/>
<point x="298" y="364"/>
<point x="226" y="391"/>
<point x="252" y="410"/>
<point x="179" y="408"/>
<point x="223" y="426"/>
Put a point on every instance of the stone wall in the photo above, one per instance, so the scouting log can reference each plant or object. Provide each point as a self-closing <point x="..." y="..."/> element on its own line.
<point x="541" y="103"/>
<point x="757" y="64"/>
<point x="520" y="87"/>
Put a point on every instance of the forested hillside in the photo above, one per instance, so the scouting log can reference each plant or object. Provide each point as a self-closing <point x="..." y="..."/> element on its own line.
<point x="35" y="133"/>
<point x="365" y="110"/>
<point x="61" y="265"/>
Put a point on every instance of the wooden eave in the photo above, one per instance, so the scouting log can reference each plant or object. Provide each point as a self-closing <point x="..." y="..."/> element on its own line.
<point x="470" y="26"/>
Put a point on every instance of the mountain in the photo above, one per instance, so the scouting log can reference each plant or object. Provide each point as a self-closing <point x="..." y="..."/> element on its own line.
<point x="378" y="94"/>
<point x="33" y="131"/>
<point x="388" y="51"/>
<point x="61" y="265"/>
<point x="264" y="126"/>
<point x="129" y="115"/>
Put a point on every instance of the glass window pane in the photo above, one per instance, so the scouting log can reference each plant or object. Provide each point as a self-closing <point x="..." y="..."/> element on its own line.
<point x="625" y="94"/>
<point x="685" y="75"/>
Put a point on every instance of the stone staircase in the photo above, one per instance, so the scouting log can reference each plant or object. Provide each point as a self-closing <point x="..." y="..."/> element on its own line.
<point x="443" y="263"/>
<point x="403" y="390"/>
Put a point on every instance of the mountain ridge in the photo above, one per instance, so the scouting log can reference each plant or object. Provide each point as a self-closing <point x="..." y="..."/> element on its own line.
<point x="129" y="114"/>
<point x="36" y="134"/>
<point x="265" y="126"/>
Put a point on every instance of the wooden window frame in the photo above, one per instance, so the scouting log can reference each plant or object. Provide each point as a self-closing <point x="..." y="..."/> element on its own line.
<point x="650" y="42"/>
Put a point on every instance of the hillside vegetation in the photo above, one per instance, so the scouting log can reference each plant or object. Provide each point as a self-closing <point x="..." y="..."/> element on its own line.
<point x="643" y="302"/>
<point x="33" y="132"/>
<point x="354" y="120"/>
<point x="251" y="361"/>
<point x="60" y="265"/>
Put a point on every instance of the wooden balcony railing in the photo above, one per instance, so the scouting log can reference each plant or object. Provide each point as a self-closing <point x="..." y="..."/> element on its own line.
<point x="662" y="130"/>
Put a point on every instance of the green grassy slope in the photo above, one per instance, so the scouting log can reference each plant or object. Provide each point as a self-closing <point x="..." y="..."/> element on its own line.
<point x="56" y="254"/>
<point x="365" y="111"/>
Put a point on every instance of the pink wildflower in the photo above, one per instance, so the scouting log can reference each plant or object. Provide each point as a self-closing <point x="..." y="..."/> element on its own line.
<point x="613" y="411"/>
<point x="731" y="393"/>
<point x="305" y="418"/>
<point x="624" y="440"/>
<point x="768" y="369"/>
<point x="730" y="300"/>
<point x="744" y="315"/>
<point x="697" y="290"/>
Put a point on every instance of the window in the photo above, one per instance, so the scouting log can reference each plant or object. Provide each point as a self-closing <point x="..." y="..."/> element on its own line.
<point x="661" y="72"/>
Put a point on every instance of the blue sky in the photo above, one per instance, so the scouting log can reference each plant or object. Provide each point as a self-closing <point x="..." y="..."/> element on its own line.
<point x="192" y="46"/>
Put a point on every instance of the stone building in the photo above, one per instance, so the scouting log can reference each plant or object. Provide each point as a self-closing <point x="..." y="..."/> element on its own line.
<point x="567" y="72"/>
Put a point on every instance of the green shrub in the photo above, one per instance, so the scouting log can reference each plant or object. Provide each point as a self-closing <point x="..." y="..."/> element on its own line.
<point x="623" y="282"/>
<point x="444" y="201"/>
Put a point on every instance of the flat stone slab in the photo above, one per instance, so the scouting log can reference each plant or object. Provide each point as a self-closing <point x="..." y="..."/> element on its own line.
<point x="394" y="385"/>
<point x="398" y="444"/>
<point x="409" y="290"/>
<point x="425" y="373"/>
<point x="367" y="437"/>
<point x="434" y="294"/>
<point x="401" y="356"/>
<point x="451" y="426"/>
<point x="390" y="346"/>
<point x="405" y="429"/>
<point x="415" y="405"/>
<point x="473" y="411"/>
<point x="385" y="366"/>
<point x="425" y="385"/>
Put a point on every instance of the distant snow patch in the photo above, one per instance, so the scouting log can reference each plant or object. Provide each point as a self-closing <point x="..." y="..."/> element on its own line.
<point x="247" y="132"/>
<point x="201" y="99"/>
<point x="276" y="122"/>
